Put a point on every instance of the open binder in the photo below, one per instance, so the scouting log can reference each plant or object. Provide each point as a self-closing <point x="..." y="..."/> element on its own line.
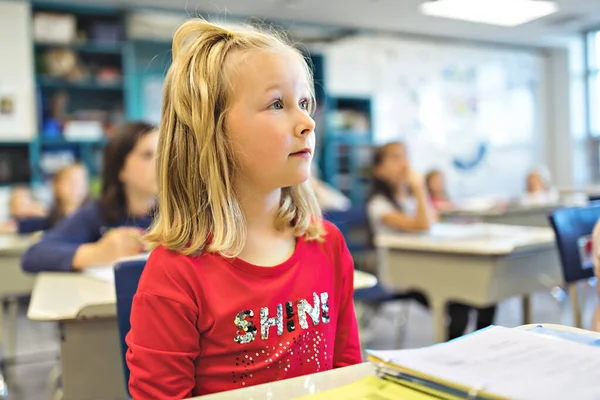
<point x="496" y="364"/>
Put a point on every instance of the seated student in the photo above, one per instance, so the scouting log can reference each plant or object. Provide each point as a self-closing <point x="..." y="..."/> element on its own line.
<point x="248" y="284"/>
<point x="436" y="188"/>
<point x="538" y="188"/>
<point x="111" y="227"/>
<point x="399" y="202"/>
<point x="71" y="189"/>
<point x="22" y="206"/>
<point x="535" y="183"/>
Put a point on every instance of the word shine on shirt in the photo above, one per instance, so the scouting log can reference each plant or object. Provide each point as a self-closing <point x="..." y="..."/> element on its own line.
<point x="205" y="324"/>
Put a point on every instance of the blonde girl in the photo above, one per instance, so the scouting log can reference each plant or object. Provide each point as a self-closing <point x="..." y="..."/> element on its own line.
<point x="247" y="284"/>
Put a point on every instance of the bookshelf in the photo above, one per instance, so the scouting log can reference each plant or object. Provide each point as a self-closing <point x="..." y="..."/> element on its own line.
<point x="90" y="66"/>
<point x="79" y="78"/>
<point x="348" y="146"/>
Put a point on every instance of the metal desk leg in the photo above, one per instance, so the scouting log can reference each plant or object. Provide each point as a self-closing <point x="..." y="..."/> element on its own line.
<point x="526" y="304"/>
<point x="438" y="310"/>
<point x="574" y="297"/>
<point x="91" y="360"/>
<point x="2" y="328"/>
<point x="11" y="343"/>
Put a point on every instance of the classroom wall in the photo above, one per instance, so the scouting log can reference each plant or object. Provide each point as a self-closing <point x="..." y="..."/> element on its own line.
<point x="16" y="71"/>
<point x="16" y="79"/>
<point x="446" y="100"/>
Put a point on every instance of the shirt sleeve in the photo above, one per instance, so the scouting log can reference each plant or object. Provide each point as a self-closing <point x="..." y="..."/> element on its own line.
<point x="164" y="341"/>
<point x="347" y="343"/>
<point x="377" y="207"/>
<point x="57" y="246"/>
<point x="596" y="249"/>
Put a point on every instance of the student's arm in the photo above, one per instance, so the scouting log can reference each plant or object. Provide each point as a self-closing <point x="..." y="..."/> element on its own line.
<point x="56" y="249"/>
<point x="164" y="341"/>
<point x="347" y="343"/>
<point x="381" y="209"/>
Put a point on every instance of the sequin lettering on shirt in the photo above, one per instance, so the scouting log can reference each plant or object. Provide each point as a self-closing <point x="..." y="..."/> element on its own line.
<point x="266" y="322"/>
<point x="318" y="312"/>
<point x="247" y="326"/>
<point x="313" y="311"/>
<point x="325" y="307"/>
<point x="289" y="314"/>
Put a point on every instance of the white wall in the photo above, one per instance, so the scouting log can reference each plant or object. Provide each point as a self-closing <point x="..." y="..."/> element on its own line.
<point x="507" y="91"/>
<point x="16" y="78"/>
<point x="16" y="71"/>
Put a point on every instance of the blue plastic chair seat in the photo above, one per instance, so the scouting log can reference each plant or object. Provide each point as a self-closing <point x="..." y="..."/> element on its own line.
<point x="571" y="224"/>
<point x="127" y="277"/>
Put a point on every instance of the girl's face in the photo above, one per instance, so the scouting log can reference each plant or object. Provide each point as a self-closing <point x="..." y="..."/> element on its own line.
<point x="269" y="123"/>
<point x="535" y="183"/>
<point x="436" y="183"/>
<point x="394" y="164"/>
<point x="72" y="186"/>
<point x="138" y="174"/>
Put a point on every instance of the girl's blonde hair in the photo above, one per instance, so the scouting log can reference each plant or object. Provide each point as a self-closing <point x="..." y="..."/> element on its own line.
<point x="198" y="209"/>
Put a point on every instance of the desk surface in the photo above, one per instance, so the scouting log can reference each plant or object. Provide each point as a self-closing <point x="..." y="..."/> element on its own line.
<point x="319" y="382"/>
<point x="63" y="295"/>
<point x="15" y="244"/>
<point x="476" y="239"/>
<point x="60" y="296"/>
<point x="300" y="386"/>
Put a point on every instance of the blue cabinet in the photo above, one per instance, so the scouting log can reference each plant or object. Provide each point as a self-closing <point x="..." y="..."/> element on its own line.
<point x="348" y="145"/>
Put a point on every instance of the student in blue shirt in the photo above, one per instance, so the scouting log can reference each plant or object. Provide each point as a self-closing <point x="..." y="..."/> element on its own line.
<point x="111" y="227"/>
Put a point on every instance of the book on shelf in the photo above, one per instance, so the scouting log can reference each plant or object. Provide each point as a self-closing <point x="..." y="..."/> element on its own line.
<point x="497" y="363"/>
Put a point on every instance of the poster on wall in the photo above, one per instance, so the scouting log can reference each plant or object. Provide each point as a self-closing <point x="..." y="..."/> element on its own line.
<point x="464" y="110"/>
<point x="12" y="114"/>
<point x="8" y="106"/>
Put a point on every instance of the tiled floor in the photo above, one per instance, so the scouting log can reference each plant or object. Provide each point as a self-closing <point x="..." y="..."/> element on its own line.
<point x="38" y="342"/>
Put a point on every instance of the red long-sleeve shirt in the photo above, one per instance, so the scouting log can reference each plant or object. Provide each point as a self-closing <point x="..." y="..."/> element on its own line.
<point x="207" y="324"/>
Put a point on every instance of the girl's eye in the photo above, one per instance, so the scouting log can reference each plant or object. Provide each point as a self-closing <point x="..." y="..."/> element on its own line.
<point x="305" y="104"/>
<point x="278" y="105"/>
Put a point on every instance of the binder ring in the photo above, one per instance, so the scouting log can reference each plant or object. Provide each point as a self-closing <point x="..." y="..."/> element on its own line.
<point x="474" y="392"/>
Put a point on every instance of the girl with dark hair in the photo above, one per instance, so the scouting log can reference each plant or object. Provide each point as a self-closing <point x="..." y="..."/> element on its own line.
<point x="399" y="203"/>
<point x="110" y="228"/>
<point x="398" y="200"/>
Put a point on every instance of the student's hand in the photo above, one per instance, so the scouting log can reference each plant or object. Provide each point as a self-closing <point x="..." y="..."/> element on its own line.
<point x="121" y="242"/>
<point x="414" y="179"/>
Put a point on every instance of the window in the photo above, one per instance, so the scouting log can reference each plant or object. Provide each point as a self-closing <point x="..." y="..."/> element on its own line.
<point x="593" y="80"/>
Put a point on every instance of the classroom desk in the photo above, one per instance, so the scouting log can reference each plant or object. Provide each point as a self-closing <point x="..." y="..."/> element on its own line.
<point x="364" y="280"/>
<point x="84" y="305"/>
<point x="520" y="215"/>
<point x="297" y="387"/>
<point x="477" y="264"/>
<point x="13" y="282"/>
<point x="311" y="384"/>
<point x="85" y="309"/>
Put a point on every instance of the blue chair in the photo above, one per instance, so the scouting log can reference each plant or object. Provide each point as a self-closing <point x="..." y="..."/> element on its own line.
<point x="127" y="277"/>
<point x="354" y="226"/>
<point x="573" y="227"/>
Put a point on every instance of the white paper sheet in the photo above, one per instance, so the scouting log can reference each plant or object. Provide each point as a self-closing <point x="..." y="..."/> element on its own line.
<point x="510" y="363"/>
<point x="105" y="274"/>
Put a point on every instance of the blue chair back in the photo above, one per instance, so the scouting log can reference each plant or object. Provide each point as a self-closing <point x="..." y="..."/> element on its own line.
<point x="573" y="227"/>
<point x="354" y="226"/>
<point x="127" y="277"/>
<point x="30" y="225"/>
